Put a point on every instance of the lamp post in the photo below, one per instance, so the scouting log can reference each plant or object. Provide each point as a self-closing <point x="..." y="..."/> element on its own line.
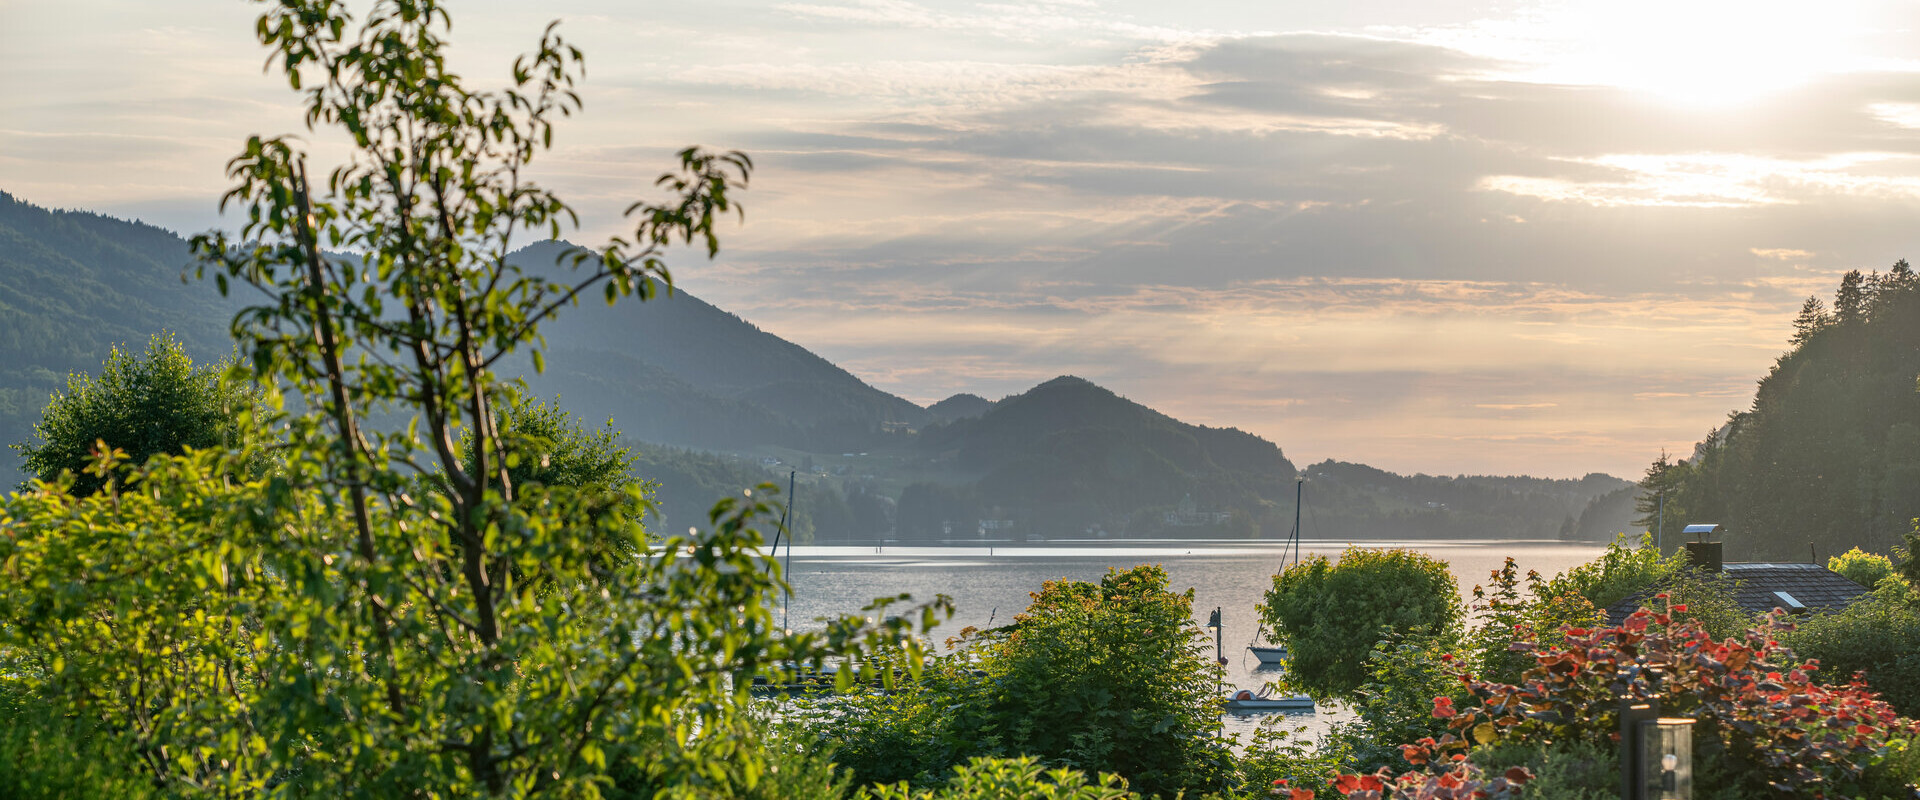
<point x="1656" y="753"/>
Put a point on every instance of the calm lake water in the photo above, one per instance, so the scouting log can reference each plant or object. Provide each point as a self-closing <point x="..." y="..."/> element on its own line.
<point x="993" y="584"/>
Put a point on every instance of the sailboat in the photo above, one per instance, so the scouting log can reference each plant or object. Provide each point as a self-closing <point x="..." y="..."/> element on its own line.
<point x="1262" y="647"/>
<point x="1268" y="652"/>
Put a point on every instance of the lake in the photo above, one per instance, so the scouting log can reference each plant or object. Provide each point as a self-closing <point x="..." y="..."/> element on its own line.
<point x="993" y="583"/>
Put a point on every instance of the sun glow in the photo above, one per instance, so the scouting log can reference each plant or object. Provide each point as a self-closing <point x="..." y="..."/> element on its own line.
<point x="1710" y="53"/>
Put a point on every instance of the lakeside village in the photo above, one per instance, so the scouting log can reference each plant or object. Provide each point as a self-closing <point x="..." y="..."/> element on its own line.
<point x="355" y="561"/>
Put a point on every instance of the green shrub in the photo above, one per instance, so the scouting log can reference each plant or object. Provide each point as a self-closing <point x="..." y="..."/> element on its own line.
<point x="1275" y="755"/>
<point x="1106" y="677"/>
<point x="1393" y="707"/>
<point x="1862" y="567"/>
<point x="1565" y="771"/>
<point x="1008" y="779"/>
<point x="46" y="755"/>
<point x="156" y="403"/>
<point x="1331" y="615"/>
<point x="1623" y="569"/>
<point x="1878" y="637"/>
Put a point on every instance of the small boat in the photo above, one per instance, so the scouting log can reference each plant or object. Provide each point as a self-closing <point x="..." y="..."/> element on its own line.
<point x="1263" y="648"/>
<point x="1245" y="701"/>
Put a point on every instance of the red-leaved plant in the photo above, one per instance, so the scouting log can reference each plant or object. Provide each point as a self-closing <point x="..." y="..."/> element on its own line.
<point x="1752" y="701"/>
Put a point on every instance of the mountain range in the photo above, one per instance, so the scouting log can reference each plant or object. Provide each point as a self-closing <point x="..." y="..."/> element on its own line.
<point x="710" y="401"/>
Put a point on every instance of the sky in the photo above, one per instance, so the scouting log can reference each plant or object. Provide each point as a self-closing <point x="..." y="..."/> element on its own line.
<point x="1434" y="236"/>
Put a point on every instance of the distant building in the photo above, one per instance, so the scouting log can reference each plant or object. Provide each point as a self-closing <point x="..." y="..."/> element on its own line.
<point x="1186" y="515"/>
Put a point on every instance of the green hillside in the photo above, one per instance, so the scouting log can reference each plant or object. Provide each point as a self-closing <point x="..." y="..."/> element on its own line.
<point x="680" y="371"/>
<point x="74" y="284"/>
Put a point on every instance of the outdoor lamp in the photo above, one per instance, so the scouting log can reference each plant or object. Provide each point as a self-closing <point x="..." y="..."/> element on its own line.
<point x="1666" y="759"/>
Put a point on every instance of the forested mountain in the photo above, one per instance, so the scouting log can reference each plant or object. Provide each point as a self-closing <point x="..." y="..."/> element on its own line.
<point x="72" y="285"/>
<point x="959" y="406"/>
<point x="679" y="371"/>
<point x="1068" y="455"/>
<point x="1829" y="453"/>
<point x="1355" y="500"/>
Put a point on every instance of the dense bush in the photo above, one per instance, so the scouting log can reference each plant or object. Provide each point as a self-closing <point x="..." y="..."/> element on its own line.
<point x="1877" y="637"/>
<point x="156" y="403"/>
<point x="1761" y="723"/>
<point x="47" y="755"/>
<point x="1862" y="567"/>
<point x="1008" y="779"/>
<point x="1331" y="615"/>
<point x="1106" y="677"/>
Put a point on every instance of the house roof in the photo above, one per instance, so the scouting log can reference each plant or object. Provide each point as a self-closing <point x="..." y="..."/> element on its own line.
<point x="1760" y="588"/>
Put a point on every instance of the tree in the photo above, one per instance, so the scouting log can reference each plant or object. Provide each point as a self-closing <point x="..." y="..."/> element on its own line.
<point x="551" y="458"/>
<point x="332" y="630"/>
<point x="1112" y="676"/>
<point x="1331" y="615"/>
<point x="156" y="403"/>
<point x="1812" y="320"/>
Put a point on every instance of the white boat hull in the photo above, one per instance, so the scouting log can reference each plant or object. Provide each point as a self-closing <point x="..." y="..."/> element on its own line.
<point x="1269" y="655"/>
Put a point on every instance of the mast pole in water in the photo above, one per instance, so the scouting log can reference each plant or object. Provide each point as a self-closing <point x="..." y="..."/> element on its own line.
<point x="786" y="570"/>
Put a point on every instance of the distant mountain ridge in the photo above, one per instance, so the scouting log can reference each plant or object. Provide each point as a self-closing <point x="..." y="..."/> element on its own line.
<point x="1077" y="456"/>
<point x="704" y="377"/>
<point x="1065" y="458"/>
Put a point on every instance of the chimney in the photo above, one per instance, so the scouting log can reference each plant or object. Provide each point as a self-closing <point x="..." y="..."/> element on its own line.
<point x="1705" y="555"/>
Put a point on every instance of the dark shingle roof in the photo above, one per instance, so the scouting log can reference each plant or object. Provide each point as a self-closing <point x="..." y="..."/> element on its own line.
<point x="1814" y="586"/>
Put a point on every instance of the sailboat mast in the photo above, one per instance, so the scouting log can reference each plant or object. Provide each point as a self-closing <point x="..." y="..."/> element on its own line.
<point x="1299" y="492"/>
<point x="786" y="570"/>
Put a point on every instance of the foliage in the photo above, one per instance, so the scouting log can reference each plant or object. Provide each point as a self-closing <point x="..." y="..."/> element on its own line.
<point x="788" y="768"/>
<point x="144" y="405"/>
<point x="45" y="755"/>
<point x="1569" y="771"/>
<point x="1503" y="615"/>
<point x="1623" y="571"/>
<point x="73" y="285"/>
<point x="1877" y="638"/>
<point x="550" y="458"/>
<point x="1275" y="758"/>
<point x="917" y="733"/>
<point x="1861" y="567"/>
<point x="1106" y="677"/>
<point x="1625" y="568"/>
<point x="1754" y="702"/>
<point x="1331" y="615"/>
<point x="1832" y="439"/>
<point x="1404" y="674"/>
<point x="330" y="630"/>
<point x="1458" y="779"/>
<point x="1114" y="676"/>
<point x="1020" y="778"/>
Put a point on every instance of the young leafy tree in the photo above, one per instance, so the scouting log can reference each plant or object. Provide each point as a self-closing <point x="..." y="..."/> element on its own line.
<point x="1331" y="615"/>
<point x="144" y="405"/>
<point x="333" y="630"/>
